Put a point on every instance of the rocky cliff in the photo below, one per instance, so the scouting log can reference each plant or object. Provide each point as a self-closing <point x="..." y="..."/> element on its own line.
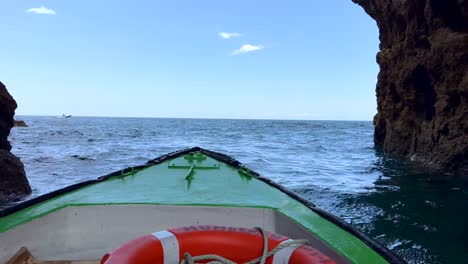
<point x="13" y="181"/>
<point x="422" y="88"/>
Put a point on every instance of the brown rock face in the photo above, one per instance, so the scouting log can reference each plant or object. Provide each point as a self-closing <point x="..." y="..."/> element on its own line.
<point x="422" y="88"/>
<point x="7" y="111"/>
<point x="13" y="181"/>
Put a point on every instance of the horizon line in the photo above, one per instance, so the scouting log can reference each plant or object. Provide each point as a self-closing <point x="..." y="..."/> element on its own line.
<point x="204" y="118"/>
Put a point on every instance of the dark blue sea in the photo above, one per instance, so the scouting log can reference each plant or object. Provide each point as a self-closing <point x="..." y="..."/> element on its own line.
<point x="404" y="206"/>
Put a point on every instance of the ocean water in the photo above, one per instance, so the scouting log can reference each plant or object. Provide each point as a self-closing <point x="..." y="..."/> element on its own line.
<point x="334" y="164"/>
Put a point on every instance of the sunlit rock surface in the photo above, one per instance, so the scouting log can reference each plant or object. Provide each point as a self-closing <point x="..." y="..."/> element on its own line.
<point x="422" y="88"/>
<point x="13" y="181"/>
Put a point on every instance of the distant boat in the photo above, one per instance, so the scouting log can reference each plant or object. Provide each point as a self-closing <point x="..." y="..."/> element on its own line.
<point x="66" y="116"/>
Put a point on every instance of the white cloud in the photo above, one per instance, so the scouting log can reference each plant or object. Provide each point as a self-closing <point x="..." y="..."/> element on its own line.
<point x="246" y="48"/>
<point x="226" y="35"/>
<point x="41" y="10"/>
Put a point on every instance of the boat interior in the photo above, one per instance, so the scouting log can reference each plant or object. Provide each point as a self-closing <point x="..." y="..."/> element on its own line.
<point x="83" y="234"/>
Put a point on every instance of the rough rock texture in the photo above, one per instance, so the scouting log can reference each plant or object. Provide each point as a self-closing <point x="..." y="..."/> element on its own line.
<point x="13" y="181"/>
<point x="422" y="88"/>
<point x="7" y="110"/>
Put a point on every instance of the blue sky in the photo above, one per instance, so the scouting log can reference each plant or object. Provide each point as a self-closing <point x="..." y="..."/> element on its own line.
<point x="283" y="60"/>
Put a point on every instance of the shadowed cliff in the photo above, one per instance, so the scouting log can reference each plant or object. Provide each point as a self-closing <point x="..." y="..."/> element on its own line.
<point x="13" y="181"/>
<point x="422" y="88"/>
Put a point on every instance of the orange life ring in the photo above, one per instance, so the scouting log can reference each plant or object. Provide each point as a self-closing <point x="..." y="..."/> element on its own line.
<point x="237" y="244"/>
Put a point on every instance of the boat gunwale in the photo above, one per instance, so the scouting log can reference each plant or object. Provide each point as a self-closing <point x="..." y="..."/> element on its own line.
<point x="374" y="245"/>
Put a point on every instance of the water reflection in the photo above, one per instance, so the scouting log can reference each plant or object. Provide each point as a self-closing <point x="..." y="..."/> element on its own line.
<point x="411" y="210"/>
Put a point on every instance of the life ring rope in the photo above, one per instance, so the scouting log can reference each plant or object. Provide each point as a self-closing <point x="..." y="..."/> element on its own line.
<point x="290" y="244"/>
<point x="215" y="245"/>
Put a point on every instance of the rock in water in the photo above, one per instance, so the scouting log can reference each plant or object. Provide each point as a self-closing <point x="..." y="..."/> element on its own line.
<point x="19" y="123"/>
<point x="13" y="181"/>
<point x="422" y="88"/>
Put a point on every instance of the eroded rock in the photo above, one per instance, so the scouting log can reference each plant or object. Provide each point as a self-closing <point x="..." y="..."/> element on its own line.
<point x="422" y="88"/>
<point x="13" y="181"/>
